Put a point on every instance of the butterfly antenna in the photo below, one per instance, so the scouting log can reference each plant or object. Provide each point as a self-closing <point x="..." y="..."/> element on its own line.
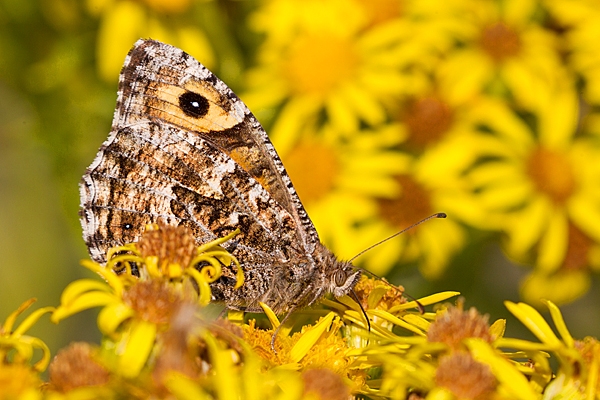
<point x="436" y="215"/>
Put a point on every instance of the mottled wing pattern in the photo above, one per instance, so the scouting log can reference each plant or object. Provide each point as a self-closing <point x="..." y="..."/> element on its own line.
<point x="183" y="149"/>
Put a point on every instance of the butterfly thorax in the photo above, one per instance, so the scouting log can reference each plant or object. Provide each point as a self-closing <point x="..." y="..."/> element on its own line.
<point x="297" y="282"/>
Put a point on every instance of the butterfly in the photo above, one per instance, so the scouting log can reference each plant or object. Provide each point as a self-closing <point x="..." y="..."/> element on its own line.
<point x="185" y="150"/>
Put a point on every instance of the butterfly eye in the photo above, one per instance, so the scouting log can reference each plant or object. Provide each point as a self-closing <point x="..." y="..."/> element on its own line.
<point x="340" y="277"/>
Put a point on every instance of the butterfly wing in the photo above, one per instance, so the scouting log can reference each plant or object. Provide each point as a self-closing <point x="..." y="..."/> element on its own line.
<point x="184" y="149"/>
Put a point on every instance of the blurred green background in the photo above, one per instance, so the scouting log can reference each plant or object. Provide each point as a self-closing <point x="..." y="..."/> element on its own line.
<point x="384" y="111"/>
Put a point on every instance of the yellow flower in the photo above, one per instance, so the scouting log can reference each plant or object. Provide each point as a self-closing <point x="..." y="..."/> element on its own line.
<point x="308" y="65"/>
<point x="18" y="347"/>
<point x="19" y="381"/>
<point x="577" y="376"/>
<point x="422" y="189"/>
<point x="503" y="47"/>
<point x="136" y="310"/>
<point x="337" y="179"/>
<point x="122" y="23"/>
<point x="578" y="26"/>
<point x="541" y="186"/>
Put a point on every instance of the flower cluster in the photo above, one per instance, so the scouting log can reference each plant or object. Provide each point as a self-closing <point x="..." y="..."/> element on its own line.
<point x="485" y="110"/>
<point x="161" y="341"/>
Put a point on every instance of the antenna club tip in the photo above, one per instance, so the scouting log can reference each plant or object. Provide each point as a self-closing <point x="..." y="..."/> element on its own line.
<point x="441" y="215"/>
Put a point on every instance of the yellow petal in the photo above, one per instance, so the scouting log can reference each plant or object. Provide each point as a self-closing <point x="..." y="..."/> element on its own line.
<point x="534" y="322"/>
<point x="512" y="380"/>
<point x="83" y="302"/>
<point x="270" y="315"/>
<point x="81" y="286"/>
<point x="396" y="321"/>
<point x="310" y="337"/>
<point x="184" y="388"/>
<point x="553" y="246"/>
<point x="31" y="320"/>
<point x="138" y="345"/>
<point x="112" y="316"/>
<point x="226" y="378"/>
<point x="425" y="301"/>
<point x="559" y="322"/>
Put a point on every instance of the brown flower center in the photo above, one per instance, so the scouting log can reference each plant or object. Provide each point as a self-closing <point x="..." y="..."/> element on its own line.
<point x="427" y="120"/>
<point x="170" y="244"/>
<point x="552" y="174"/>
<point x="313" y="168"/>
<point x="318" y="64"/>
<point x="500" y="41"/>
<point x="153" y="301"/>
<point x="455" y="325"/>
<point x="380" y="11"/>
<point x="578" y="249"/>
<point x="75" y="367"/>
<point x="412" y="205"/>
<point x="465" y="377"/>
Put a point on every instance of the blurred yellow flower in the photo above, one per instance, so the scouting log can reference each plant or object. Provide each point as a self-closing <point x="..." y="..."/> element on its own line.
<point x="308" y="65"/>
<point x="540" y="185"/>
<point x="123" y="22"/>
<point x="578" y="23"/>
<point x="419" y="193"/>
<point x="503" y="50"/>
<point x="16" y="347"/>
<point x="338" y="184"/>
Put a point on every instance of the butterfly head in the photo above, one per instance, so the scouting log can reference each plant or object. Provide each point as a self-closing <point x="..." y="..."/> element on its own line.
<point x="343" y="278"/>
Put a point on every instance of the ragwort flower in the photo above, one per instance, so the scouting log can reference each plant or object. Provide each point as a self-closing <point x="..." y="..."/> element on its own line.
<point x="124" y="22"/>
<point x="158" y="280"/>
<point x="18" y="348"/>
<point x="541" y="186"/>
<point x="577" y="376"/>
<point x="308" y="66"/>
<point x="503" y="47"/>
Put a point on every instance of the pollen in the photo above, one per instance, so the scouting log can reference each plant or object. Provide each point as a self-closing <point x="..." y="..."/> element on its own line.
<point x="500" y="41"/>
<point x="413" y="204"/>
<point x="427" y="119"/>
<point x="454" y="325"/>
<point x="153" y="301"/>
<point x="172" y="245"/>
<point x="552" y="174"/>
<point x="589" y="348"/>
<point x="324" y="384"/>
<point x="319" y="64"/>
<point x="465" y="377"/>
<point x="75" y="367"/>
<point x="315" y="179"/>
<point x="390" y="298"/>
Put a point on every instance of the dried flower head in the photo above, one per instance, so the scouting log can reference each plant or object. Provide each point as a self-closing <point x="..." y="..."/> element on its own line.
<point x="325" y="384"/>
<point x="172" y="245"/>
<point x="75" y="367"/>
<point x="455" y="324"/>
<point x="465" y="377"/>
<point x="153" y="301"/>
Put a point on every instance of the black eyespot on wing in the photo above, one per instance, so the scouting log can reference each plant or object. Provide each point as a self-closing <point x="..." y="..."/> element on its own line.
<point x="127" y="226"/>
<point x="193" y="104"/>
